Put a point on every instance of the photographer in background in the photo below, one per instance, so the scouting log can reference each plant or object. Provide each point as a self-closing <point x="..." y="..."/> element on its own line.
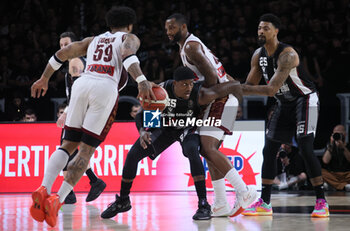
<point x="290" y="168"/>
<point x="337" y="160"/>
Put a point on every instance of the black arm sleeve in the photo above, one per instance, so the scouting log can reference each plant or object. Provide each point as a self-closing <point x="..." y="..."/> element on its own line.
<point x="139" y="120"/>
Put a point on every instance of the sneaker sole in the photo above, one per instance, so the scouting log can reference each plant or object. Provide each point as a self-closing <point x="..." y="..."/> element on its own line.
<point x="37" y="210"/>
<point x="51" y="217"/>
<point x="239" y="211"/>
<point x="120" y="211"/>
<point x="257" y="214"/>
<point x="202" y="218"/>
<point x="319" y="216"/>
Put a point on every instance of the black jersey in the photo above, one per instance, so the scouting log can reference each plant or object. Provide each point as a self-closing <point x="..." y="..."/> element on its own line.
<point x="181" y="109"/>
<point x="297" y="83"/>
<point x="69" y="80"/>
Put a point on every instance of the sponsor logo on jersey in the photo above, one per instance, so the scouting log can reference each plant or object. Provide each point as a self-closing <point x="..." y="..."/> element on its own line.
<point x="101" y="69"/>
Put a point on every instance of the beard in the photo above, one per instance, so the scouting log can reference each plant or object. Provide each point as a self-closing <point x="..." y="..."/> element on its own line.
<point x="177" y="37"/>
<point x="261" y="40"/>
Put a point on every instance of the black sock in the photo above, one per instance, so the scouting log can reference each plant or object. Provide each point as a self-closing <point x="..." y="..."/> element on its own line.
<point x="319" y="192"/>
<point x="200" y="189"/>
<point x="266" y="193"/>
<point x="125" y="189"/>
<point x="91" y="175"/>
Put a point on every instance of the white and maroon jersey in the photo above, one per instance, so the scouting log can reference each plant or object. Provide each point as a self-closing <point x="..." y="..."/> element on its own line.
<point x="104" y="57"/>
<point x="213" y="60"/>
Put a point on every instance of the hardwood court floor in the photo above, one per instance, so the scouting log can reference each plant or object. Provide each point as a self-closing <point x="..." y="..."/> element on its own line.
<point x="173" y="211"/>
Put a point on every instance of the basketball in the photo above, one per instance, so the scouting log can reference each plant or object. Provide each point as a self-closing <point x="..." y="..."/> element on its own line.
<point x="160" y="103"/>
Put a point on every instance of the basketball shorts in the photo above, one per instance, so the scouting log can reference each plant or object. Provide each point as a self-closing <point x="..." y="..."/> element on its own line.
<point x="224" y="109"/>
<point x="92" y="110"/>
<point x="298" y="117"/>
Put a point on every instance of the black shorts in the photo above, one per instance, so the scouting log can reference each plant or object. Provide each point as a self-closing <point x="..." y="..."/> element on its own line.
<point x="298" y="117"/>
<point x="162" y="138"/>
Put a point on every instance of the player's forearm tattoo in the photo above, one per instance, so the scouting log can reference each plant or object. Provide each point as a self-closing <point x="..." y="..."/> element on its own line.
<point x="75" y="70"/>
<point x="76" y="169"/>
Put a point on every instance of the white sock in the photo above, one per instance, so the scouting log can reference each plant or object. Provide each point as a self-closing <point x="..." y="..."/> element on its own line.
<point x="236" y="181"/>
<point x="219" y="191"/>
<point x="64" y="191"/>
<point x="56" y="163"/>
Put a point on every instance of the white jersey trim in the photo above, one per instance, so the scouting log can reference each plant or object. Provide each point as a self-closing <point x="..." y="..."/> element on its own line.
<point x="293" y="74"/>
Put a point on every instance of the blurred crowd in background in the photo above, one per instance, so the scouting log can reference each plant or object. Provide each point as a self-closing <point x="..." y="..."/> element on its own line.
<point x="29" y="35"/>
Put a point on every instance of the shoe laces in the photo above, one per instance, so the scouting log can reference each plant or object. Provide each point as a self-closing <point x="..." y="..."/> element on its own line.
<point x="320" y="204"/>
<point x="257" y="204"/>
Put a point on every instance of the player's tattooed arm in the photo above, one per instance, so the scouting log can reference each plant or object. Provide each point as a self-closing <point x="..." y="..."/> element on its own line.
<point x="130" y="45"/>
<point x="254" y="75"/>
<point x="76" y="67"/>
<point x="207" y="95"/>
<point x="287" y="60"/>
<point x="74" y="50"/>
<point x="195" y="55"/>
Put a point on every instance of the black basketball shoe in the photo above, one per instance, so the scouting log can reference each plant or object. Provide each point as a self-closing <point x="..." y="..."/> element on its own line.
<point x="118" y="206"/>
<point x="204" y="211"/>
<point x="70" y="199"/>
<point x="95" y="190"/>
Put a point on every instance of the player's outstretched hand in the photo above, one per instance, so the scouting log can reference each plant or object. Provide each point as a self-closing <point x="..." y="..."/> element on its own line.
<point x="39" y="87"/>
<point x="145" y="139"/>
<point x="62" y="120"/>
<point x="145" y="90"/>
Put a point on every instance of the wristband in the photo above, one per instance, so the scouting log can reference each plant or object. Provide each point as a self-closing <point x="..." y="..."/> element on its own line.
<point x="128" y="61"/>
<point x="140" y="78"/>
<point x="55" y="62"/>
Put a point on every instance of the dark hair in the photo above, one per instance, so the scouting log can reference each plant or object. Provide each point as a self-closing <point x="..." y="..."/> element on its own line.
<point x="121" y="16"/>
<point x="271" y="18"/>
<point x="183" y="73"/>
<point x="180" y="18"/>
<point x="61" y="106"/>
<point x="29" y="111"/>
<point x="70" y="35"/>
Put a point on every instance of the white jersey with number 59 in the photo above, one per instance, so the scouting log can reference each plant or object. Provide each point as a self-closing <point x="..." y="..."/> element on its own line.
<point x="213" y="60"/>
<point x="104" y="56"/>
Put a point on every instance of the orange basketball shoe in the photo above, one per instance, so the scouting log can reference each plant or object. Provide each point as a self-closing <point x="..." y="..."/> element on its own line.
<point x="37" y="210"/>
<point x="52" y="205"/>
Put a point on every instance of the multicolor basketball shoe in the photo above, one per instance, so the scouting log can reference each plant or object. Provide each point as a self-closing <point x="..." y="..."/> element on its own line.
<point x="259" y="208"/>
<point x="321" y="209"/>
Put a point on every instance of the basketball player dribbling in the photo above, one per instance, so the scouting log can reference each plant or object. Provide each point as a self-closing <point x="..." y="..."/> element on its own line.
<point x="93" y="103"/>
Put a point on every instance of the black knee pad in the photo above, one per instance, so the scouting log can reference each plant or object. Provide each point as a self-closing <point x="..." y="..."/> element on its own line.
<point x="306" y="150"/>
<point x="190" y="149"/>
<point x="269" y="166"/>
<point x="70" y="158"/>
<point x="190" y="145"/>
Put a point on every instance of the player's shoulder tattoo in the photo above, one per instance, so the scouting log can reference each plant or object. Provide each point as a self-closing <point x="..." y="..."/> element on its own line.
<point x="288" y="59"/>
<point x="257" y="52"/>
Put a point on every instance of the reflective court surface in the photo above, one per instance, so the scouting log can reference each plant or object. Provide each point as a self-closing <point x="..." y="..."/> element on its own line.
<point x="174" y="210"/>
